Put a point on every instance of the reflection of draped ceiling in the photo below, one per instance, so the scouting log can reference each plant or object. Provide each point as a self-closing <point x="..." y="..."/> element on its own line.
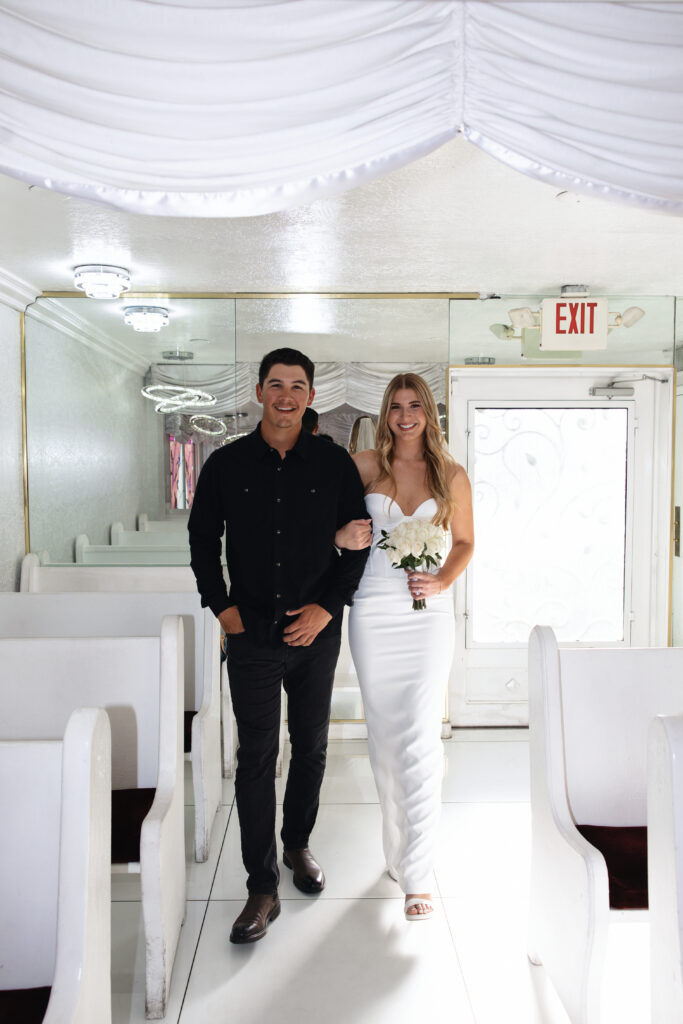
<point x="358" y="384"/>
<point x="234" y="108"/>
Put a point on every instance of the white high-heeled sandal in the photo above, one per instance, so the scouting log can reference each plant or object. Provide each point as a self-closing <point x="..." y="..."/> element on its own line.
<point x="414" y="902"/>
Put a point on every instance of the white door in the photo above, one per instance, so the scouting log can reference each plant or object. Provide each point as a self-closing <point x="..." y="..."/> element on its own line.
<point x="572" y="513"/>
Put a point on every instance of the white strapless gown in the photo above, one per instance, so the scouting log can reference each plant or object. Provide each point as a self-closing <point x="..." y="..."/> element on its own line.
<point x="402" y="659"/>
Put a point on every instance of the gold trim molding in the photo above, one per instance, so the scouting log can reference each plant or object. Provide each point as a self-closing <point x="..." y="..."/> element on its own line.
<point x="24" y="435"/>
<point x="270" y="295"/>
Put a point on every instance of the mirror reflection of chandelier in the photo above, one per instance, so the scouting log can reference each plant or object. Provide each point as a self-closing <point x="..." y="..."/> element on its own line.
<point x="148" y="319"/>
<point x="210" y="425"/>
<point x="174" y="397"/>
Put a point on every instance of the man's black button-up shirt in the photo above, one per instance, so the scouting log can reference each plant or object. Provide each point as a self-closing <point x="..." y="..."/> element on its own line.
<point x="280" y="517"/>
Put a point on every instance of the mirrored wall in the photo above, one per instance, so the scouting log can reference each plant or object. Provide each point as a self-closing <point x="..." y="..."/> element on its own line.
<point x="99" y="452"/>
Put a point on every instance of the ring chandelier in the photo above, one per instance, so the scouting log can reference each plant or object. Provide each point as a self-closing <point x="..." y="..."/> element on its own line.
<point x="174" y="397"/>
<point x="210" y="425"/>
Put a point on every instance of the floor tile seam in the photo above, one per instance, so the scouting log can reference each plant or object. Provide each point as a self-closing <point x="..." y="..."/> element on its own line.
<point x="194" y="899"/>
<point x="320" y="899"/>
<point x="194" y="957"/>
<point x="206" y="910"/>
<point x="341" y="803"/>
<point x="457" y="958"/>
<point x="222" y="804"/>
<point x="489" y="803"/>
<point x="220" y="852"/>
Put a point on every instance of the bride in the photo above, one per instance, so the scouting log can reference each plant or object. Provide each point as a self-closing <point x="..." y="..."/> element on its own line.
<point x="402" y="656"/>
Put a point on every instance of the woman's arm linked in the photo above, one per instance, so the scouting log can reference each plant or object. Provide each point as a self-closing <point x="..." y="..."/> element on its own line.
<point x="357" y="533"/>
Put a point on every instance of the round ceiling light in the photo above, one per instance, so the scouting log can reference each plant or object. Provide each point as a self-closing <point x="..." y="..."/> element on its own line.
<point x="99" y="281"/>
<point x="146" y="318"/>
<point x="179" y="355"/>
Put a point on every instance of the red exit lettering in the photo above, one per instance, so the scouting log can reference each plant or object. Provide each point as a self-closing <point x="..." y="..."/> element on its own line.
<point x="579" y="322"/>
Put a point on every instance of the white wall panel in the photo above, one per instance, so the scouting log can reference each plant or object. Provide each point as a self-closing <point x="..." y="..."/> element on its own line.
<point x="11" y="477"/>
<point x="95" y="444"/>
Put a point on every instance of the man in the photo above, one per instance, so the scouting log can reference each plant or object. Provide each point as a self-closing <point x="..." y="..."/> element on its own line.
<point x="309" y="420"/>
<point x="281" y="494"/>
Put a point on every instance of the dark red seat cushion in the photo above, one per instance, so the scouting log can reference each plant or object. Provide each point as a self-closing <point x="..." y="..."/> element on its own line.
<point x="129" y="808"/>
<point x="24" y="1005"/>
<point x="625" y="853"/>
<point x="189" y="715"/>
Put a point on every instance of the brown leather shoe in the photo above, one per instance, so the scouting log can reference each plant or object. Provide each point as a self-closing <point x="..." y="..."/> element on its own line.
<point x="252" y="924"/>
<point x="308" y="875"/>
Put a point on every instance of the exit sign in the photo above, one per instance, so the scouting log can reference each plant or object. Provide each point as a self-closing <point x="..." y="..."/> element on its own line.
<point x="574" y="323"/>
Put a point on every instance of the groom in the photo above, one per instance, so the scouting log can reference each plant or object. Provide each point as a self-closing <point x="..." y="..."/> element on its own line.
<point x="281" y="494"/>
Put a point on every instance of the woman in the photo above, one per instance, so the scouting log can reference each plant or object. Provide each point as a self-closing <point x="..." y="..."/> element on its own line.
<point x="402" y="656"/>
<point x="362" y="435"/>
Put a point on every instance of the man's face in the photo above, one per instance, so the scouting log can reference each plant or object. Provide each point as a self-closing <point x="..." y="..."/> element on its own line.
<point x="284" y="396"/>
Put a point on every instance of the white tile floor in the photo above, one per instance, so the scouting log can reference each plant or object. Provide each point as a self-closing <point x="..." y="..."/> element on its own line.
<point x="347" y="956"/>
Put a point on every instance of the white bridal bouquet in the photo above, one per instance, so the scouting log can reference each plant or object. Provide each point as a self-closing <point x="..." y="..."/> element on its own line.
<point x="414" y="544"/>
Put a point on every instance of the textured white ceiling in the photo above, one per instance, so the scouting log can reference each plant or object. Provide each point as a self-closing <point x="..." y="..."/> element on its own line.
<point x="456" y="220"/>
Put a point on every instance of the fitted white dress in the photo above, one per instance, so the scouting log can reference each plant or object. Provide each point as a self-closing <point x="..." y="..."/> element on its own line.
<point x="402" y="659"/>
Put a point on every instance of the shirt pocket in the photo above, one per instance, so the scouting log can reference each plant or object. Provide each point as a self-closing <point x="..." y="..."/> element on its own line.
<point x="316" y="510"/>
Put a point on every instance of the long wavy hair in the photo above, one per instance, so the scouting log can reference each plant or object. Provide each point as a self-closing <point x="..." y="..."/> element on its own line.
<point x="437" y="456"/>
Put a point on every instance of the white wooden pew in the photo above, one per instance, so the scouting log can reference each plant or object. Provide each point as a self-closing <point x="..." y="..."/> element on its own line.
<point x="55" y="877"/>
<point x="152" y="539"/>
<point x="127" y="554"/>
<point x="665" y="867"/>
<point x="37" y="578"/>
<point x="139" y="681"/>
<point x="176" y="521"/>
<point x="65" y="578"/>
<point x="590" y="710"/>
<point x="136" y="614"/>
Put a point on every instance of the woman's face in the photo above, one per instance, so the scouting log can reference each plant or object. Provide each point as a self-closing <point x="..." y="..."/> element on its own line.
<point x="406" y="416"/>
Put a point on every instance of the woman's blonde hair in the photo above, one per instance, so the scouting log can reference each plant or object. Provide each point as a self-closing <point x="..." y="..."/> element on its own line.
<point x="439" y="462"/>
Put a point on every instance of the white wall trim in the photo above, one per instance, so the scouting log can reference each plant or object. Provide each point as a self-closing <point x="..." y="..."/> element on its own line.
<point x="51" y="313"/>
<point x="15" y="292"/>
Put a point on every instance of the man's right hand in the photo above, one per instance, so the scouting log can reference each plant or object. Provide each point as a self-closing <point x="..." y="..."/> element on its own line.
<point x="231" y="620"/>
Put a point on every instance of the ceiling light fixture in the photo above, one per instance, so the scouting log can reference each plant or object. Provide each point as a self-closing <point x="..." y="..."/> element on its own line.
<point x="146" y="318"/>
<point x="629" y="317"/>
<point x="502" y="331"/>
<point x="179" y="355"/>
<point x="524" y="317"/>
<point x="100" y="281"/>
<point x="173" y="397"/>
<point x="210" y="425"/>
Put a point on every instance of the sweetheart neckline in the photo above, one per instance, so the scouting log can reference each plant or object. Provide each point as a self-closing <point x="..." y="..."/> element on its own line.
<point x="405" y="514"/>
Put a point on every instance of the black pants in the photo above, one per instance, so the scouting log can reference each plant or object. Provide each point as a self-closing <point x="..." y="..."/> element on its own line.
<point x="257" y="674"/>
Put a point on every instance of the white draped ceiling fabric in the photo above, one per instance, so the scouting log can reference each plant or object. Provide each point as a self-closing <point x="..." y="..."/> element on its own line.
<point x="231" y="108"/>
<point x="361" y="385"/>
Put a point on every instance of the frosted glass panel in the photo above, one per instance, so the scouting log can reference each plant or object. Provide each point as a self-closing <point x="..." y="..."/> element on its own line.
<point x="550" y="515"/>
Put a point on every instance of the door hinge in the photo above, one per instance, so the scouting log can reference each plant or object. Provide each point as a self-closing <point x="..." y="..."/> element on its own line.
<point x="677" y="530"/>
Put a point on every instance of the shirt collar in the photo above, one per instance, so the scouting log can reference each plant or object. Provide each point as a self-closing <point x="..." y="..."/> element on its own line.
<point x="261" y="449"/>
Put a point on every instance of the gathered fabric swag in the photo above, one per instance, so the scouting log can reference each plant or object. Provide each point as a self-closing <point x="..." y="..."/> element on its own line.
<point x="234" y="108"/>
<point x="361" y="385"/>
